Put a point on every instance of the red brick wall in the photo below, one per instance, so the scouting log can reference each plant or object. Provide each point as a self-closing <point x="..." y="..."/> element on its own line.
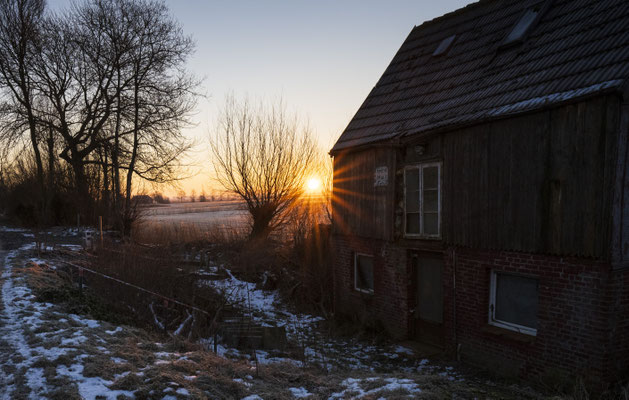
<point x="573" y="333"/>
<point x="583" y="309"/>
<point x="388" y="303"/>
<point x="618" y="364"/>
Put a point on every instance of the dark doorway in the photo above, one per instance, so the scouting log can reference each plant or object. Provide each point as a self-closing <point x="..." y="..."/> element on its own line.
<point x="427" y="272"/>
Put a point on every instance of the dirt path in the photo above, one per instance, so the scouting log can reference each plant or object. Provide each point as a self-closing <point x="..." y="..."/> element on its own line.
<point x="6" y="350"/>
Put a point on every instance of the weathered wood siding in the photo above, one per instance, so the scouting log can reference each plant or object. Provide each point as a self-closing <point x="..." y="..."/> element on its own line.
<point x="620" y="219"/>
<point x="539" y="182"/>
<point x="359" y="207"/>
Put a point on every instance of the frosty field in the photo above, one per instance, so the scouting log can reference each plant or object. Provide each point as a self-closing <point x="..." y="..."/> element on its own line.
<point x="207" y="215"/>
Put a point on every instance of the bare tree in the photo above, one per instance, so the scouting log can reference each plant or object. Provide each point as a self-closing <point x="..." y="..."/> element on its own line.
<point x="324" y="169"/>
<point x="263" y="155"/>
<point x="20" y="22"/>
<point x="112" y="73"/>
<point x="161" y="94"/>
<point x="76" y="68"/>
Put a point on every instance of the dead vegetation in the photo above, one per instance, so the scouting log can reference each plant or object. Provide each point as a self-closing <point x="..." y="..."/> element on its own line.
<point x="153" y="364"/>
<point x="177" y="234"/>
<point x="150" y="362"/>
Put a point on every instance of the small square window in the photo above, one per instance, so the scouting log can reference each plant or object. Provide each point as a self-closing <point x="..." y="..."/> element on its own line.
<point x="363" y="273"/>
<point x="513" y="302"/>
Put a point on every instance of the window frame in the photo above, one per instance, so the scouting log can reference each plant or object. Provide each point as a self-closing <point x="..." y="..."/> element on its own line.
<point x="420" y="167"/>
<point x="491" y="320"/>
<point x="366" y="291"/>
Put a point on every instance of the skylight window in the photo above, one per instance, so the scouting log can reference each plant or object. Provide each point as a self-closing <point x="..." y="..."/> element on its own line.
<point x="522" y="27"/>
<point x="444" y="45"/>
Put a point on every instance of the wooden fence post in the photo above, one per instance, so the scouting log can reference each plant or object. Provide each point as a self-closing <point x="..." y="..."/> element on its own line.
<point x="81" y="281"/>
<point x="100" y="224"/>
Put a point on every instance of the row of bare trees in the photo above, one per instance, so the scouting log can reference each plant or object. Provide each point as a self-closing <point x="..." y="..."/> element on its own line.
<point x="95" y="97"/>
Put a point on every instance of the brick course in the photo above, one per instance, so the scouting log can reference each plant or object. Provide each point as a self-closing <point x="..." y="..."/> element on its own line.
<point x="572" y="314"/>
<point x="583" y="309"/>
<point x="389" y="302"/>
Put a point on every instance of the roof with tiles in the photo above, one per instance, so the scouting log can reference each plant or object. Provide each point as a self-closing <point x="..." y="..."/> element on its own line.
<point x="575" y="48"/>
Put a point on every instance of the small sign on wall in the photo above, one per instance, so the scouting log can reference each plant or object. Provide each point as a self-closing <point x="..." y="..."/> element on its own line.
<point x="381" y="176"/>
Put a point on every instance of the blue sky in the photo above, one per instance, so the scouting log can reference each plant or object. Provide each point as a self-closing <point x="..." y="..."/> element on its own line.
<point x="322" y="57"/>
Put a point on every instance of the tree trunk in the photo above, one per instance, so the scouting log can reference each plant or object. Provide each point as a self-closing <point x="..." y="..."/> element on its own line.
<point x="106" y="191"/>
<point x="134" y="153"/>
<point x="115" y="164"/>
<point x="51" y="177"/>
<point x="262" y="218"/>
<point x="32" y="125"/>
<point x="82" y="188"/>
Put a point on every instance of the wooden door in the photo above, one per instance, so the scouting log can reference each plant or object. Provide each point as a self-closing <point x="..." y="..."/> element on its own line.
<point x="428" y="316"/>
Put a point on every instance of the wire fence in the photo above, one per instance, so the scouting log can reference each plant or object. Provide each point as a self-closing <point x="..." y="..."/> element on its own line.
<point x="80" y="270"/>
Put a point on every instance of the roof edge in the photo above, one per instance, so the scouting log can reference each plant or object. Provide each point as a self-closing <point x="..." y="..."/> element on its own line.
<point x="536" y="104"/>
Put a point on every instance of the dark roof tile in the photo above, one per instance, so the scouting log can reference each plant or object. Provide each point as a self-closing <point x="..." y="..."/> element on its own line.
<point x="577" y="48"/>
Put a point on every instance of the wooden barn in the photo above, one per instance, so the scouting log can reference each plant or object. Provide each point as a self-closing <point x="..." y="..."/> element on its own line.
<point x="481" y="191"/>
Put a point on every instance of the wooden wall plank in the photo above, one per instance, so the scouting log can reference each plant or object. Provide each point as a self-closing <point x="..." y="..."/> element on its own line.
<point x="540" y="182"/>
<point x="536" y="182"/>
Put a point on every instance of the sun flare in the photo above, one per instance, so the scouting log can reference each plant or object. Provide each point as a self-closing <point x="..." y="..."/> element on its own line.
<point x="313" y="185"/>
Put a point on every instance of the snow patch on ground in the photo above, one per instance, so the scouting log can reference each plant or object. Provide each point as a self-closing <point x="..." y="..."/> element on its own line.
<point x="22" y="316"/>
<point x="114" y="331"/>
<point x="90" y="323"/>
<point x="300" y="392"/>
<point x="354" y="388"/>
<point x="266" y="308"/>
<point x="90" y="387"/>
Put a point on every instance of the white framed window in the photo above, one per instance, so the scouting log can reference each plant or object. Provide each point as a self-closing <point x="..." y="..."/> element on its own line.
<point x="363" y="273"/>
<point x="422" y="200"/>
<point x="513" y="302"/>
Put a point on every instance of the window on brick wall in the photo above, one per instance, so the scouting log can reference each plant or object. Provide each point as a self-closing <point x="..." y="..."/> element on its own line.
<point x="513" y="302"/>
<point x="363" y="273"/>
<point x="422" y="200"/>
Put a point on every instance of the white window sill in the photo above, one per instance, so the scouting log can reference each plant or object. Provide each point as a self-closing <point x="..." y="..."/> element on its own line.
<point x="514" y="327"/>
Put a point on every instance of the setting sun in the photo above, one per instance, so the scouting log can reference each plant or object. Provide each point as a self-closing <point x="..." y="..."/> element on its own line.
<point x="313" y="185"/>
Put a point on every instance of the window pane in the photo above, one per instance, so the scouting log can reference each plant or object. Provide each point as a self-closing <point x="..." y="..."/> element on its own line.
<point x="364" y="272"/>
<point x="412" y="180"/>
<point x="516" y="300"/>
<point x="431" y="177"/>
<point x="412" y="201"/>
<point x="431" y="201"/>
<point x="431" y="224"/>
<point x="412" y="223"/>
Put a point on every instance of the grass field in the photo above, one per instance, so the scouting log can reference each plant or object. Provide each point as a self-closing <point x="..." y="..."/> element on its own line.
<point x="230" y="213"/>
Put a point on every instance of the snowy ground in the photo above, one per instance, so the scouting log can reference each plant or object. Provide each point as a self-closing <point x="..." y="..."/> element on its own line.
<point x="47" y="352"/>
<point x="317" y="348"/>
<point x="37" y="337"/>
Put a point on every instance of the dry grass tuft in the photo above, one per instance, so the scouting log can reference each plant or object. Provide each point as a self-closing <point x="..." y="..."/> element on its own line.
<point x="168" y="234"/>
